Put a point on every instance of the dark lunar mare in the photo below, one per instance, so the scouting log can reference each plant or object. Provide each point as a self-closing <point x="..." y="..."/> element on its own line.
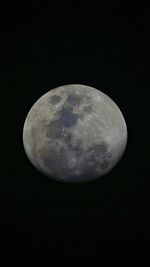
<point x="67" y="117"/>
<point x="55" y="99"/>
<point x="55" y="130"/>
<point x="74" y="99"/>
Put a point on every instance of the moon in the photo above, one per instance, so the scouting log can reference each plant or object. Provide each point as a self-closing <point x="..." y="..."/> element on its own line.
<point x="74" y="133"/>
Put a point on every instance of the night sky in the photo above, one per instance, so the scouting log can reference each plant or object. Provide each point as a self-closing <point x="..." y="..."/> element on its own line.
<point x="43" y="47"/>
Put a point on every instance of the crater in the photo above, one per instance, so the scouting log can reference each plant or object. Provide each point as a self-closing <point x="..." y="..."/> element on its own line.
<point x="88" y="109"/>
<point x="74" y="99"/>
<point x="99" y="149"/>
<point x="66" y="117"/>
<point x="55" y="99"/>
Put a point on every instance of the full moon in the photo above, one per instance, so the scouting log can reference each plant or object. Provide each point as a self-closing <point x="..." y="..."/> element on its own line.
<point x="74" y="133"/>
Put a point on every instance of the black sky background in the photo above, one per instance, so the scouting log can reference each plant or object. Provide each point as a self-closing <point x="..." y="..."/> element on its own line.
<point x="44" y="46"/>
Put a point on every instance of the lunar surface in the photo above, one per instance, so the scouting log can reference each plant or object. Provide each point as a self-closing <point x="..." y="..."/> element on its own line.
<point x="74" y="133"/>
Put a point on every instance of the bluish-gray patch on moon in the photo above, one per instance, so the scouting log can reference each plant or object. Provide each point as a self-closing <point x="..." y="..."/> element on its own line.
<point x="67" y="117"/>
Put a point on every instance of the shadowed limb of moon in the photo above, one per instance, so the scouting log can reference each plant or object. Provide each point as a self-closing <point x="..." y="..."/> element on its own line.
<point x="74" y="133"/>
